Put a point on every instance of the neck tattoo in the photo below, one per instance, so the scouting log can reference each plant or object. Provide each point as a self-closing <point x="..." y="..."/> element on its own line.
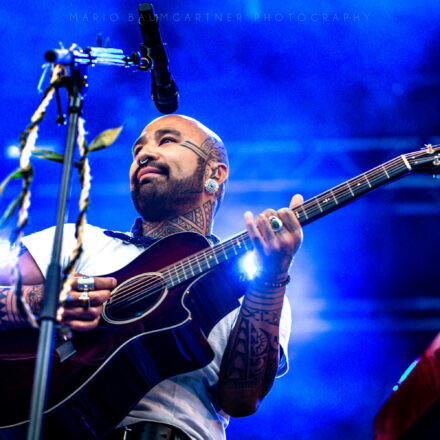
<point x="197" y="220"/>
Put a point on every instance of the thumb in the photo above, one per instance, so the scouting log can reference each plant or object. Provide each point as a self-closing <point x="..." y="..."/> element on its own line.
<point x="297" y="200"/>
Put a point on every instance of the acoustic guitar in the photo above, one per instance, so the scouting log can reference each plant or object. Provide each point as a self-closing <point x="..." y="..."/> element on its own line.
<point x="155" y="324"/>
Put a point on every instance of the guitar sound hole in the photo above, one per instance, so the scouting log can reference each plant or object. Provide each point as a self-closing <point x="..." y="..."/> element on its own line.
<point x="135" y="297"/>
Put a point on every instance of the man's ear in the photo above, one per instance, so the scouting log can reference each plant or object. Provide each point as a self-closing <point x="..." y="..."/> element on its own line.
<point x="217" y="171"/>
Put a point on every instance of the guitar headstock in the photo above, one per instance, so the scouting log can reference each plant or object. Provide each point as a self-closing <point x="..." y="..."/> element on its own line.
<point x="427" y="160"/>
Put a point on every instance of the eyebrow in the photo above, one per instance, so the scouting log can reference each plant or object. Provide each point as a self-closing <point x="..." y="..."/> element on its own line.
<point x="157" y="134"/>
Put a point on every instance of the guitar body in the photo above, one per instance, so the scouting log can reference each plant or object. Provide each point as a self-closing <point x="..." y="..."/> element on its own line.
<point x="115" y="365"/>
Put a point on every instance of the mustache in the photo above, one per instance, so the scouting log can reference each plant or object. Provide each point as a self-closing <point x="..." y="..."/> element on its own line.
<point x="159" y="165"/>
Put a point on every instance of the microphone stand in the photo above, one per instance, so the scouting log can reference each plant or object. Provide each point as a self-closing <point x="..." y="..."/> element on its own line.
<point x="75" y="84"/>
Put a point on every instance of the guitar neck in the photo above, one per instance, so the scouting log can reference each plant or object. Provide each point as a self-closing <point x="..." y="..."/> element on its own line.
<point x="306" y="213"/>
<point x="351" y="190"/>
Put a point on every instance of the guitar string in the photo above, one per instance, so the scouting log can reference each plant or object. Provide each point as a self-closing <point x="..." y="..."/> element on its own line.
<point x="373" y="174"/>
<point x="138" y="297"/>
<point x="150" y="282"/>
<point x="184" y="264"/>
<point x="204" y="266"/>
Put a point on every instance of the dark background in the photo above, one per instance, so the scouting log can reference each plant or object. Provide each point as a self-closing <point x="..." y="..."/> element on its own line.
<point x="305" y="95"/>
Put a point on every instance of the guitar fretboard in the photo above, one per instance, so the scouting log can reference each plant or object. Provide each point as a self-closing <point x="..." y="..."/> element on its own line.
<point x="309" y="211"/>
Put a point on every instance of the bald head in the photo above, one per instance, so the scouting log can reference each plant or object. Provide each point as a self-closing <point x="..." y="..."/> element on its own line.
<point x="205" y="143"/>
<point x="207" y="139"/>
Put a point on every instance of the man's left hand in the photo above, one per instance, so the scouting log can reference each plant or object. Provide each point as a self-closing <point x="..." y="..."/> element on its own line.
<point x="275" y="249"/>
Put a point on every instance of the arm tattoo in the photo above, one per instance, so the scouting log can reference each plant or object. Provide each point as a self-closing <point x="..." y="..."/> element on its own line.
<point x="10" y="316"/>
<point x="34" y="297"/>
<point x="250" y="360"/>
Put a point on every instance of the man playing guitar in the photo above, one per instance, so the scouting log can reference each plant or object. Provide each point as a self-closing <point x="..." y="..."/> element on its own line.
<point x="177" y="181"/>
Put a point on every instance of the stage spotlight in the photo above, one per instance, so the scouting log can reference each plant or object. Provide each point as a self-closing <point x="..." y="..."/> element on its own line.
<point x="249" y="265"/>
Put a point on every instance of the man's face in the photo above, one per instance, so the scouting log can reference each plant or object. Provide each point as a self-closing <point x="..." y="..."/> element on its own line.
<point x="171" y="182"/>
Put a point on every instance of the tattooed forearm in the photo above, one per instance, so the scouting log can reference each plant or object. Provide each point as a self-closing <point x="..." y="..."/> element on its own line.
<point x="10" y="315"/>
<point x="34" y="297"/>
<point x="250" y="360"/>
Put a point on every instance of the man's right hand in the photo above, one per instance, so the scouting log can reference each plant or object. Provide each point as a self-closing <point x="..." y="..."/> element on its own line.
<point x="75" y="316"/>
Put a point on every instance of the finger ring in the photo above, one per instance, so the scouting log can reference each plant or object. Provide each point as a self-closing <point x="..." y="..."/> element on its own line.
<point x="86" y="283"/>
<point x="84" y="300"/>
<point x="275" y="223"/>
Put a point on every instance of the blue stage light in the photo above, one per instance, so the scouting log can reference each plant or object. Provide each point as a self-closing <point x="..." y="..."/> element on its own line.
<point x="12" y="152"/>
<point x="249" y="265"/>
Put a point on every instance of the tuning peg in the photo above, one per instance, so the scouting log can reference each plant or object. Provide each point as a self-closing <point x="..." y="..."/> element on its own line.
<point x="429" y="148"/>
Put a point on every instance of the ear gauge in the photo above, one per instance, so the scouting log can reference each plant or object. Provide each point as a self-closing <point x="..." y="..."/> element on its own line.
<point x="211" y="186"/>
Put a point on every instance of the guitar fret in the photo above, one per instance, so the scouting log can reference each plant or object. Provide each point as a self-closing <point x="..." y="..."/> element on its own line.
<point x="243" y="243"/>
<point x="405" y="161"/>
<point x="191" y="269"/>
<point x="305" y="212"/>
<point x="366" y="178"/>
<point x="386" y="172"/>
<point x="233" y="247"/>
<point x="349" y="188"/>
<point x="198" y="262"/>
<point x="177" y="273"/>
<point x="239" y="243"/>
<point x="336" y="200"/>
<point x="319" y="206"/>
<point x="224" y="252"/>
<point x="207" y="261"/>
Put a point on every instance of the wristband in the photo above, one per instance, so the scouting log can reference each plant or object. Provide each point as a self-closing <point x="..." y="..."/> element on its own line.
<point x="270" y="284"/>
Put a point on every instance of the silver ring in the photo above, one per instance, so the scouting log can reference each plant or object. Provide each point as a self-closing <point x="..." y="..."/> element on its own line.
<point x="86" y="283"/>
<point x="144" y="161"/>
<point x="84" y="299"/>
<point x="275" y="223"/>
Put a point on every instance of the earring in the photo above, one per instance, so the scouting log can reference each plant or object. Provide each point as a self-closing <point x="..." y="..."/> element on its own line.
<point x="211" y="186"/>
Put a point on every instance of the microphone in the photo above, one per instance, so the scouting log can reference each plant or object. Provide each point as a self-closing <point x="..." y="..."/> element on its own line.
<point x="163" y="88"/>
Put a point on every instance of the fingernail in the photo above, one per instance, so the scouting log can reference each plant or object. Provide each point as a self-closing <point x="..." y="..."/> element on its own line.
<point x="114" y="282"/>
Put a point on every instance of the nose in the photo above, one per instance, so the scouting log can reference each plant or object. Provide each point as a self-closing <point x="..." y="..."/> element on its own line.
<point x="147" y="154"/>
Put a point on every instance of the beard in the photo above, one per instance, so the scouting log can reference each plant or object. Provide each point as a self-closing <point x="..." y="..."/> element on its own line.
<point x="166" y="197"/>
